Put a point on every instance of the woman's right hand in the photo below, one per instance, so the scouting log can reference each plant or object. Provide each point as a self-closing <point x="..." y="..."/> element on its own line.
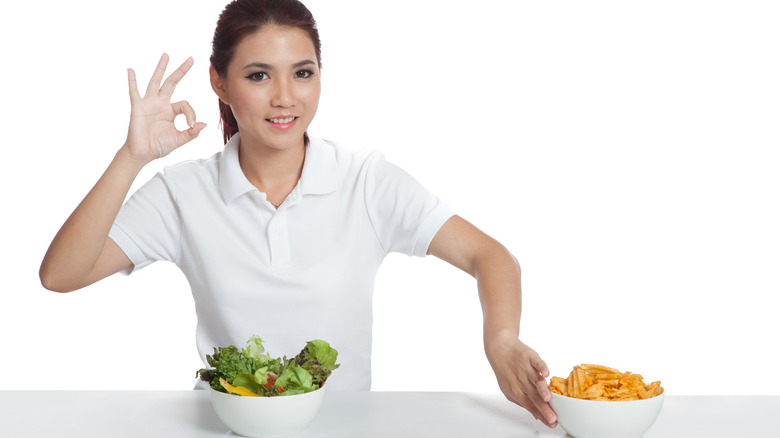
<point x="152" y="133"/>
<point x="81" y="252"/>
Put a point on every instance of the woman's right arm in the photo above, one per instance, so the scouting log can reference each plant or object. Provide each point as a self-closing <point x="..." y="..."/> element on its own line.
<point x="81" y="252"/>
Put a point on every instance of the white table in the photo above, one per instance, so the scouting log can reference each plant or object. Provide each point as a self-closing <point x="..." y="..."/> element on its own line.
<point x="137" y="414"/>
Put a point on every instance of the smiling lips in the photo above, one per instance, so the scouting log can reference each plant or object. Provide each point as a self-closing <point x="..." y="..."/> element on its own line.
<point x="282" y="122"/>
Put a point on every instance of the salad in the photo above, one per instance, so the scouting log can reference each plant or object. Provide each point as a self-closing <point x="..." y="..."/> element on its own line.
<point x="252" y="372"/>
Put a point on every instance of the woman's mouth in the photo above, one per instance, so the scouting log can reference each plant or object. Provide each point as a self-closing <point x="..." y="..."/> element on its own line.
<point x="282" y="122"/>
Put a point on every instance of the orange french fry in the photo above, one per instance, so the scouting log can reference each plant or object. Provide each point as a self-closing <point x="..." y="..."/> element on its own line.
<point x="572" y="385"/>
<point x="594" y="391"/>
<point x="599" y="369"/>
<point x="582" y="379"/>
<point x="558" y="385"/>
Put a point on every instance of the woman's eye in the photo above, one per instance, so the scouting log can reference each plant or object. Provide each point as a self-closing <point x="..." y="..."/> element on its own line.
<point x="259" y="76"/>
<point x="303" y="74"/>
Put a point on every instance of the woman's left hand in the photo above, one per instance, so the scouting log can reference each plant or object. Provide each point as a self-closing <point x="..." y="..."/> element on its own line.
<point x="519" y="370"/>
<point x="521" y="375"/>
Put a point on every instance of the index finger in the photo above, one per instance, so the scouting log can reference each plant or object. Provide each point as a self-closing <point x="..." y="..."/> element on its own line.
<point x="175" y="77"/>
<point x="541" y="399"/>
<point x="540" y="367"/>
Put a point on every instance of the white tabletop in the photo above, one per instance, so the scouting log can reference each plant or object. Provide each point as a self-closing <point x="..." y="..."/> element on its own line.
<point x="135" y="414"/>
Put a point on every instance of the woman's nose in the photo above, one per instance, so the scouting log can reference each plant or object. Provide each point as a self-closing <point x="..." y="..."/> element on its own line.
<point x="282" y="94"/>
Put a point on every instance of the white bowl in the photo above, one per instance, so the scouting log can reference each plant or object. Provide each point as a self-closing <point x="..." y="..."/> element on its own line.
<point x="266" y="417"/>
<point x="606" y="419"/>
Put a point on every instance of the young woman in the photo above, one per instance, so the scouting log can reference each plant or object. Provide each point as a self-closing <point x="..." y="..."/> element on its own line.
<point x="280" y="234"/>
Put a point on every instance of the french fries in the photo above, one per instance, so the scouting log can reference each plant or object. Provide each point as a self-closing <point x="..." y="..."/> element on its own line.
<point x="597" y="382"/>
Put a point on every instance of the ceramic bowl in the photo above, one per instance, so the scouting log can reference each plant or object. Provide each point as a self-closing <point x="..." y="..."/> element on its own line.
<point x="266" y="417"/>
<point x="606" y="419"/>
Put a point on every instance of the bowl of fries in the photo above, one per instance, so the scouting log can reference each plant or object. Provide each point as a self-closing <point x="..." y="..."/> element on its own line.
<point x="601" y="402"/>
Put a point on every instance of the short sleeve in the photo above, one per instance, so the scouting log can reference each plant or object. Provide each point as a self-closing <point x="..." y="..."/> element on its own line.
<point x="403" y="213"/>
<point x="148" y="225"/>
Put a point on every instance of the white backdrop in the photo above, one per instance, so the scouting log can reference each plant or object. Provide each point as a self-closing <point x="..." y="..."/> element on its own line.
<point x="625" y="152"/>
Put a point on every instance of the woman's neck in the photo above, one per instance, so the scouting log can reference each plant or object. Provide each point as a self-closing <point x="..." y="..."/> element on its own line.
<point x="273" y="171"/>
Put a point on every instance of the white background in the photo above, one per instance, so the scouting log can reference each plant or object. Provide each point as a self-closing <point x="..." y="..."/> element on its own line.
<point x="625" y="152"/>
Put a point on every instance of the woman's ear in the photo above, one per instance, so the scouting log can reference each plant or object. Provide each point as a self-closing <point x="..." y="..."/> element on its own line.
<point x="218" y="85"/>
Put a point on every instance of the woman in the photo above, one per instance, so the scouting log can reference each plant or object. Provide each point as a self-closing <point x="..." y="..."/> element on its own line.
<point x="280" y="234"/>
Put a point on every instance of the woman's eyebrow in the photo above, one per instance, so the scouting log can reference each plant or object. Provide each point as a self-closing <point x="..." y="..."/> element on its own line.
<point x="259" y="65"/>
<point x="265" y="66"/>
<point x="302" y="63"/>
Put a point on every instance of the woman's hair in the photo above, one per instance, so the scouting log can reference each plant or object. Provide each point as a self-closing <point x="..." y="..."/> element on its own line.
<point x="242" y="18"/>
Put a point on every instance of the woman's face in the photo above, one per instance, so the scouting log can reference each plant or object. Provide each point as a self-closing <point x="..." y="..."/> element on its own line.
<point x="273" y="86"/>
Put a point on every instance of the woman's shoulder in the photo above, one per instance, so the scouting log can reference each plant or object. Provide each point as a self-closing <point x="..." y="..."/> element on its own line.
<point x="194" y="167"/>
<point x="197" y="175"/>
<point x="347" y="156"/>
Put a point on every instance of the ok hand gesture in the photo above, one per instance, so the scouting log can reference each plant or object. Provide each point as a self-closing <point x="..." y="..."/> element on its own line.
<point x="152" y="133"/>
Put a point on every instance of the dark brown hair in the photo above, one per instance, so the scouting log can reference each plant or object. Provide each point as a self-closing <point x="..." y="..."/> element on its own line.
<point x="242" y="18"/>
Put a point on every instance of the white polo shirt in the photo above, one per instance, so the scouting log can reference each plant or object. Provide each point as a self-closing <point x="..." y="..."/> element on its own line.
<point x="301" y="272"/>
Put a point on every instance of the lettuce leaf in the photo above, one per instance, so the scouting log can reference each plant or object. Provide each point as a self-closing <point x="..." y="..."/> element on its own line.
<point x="261" y="376"/>
<point x="295" y="380"/>
<point x="254" y="349"/>
<point x="319" y="359"/>
<point x="325" y="355"/>
<point x="248" y="381"/>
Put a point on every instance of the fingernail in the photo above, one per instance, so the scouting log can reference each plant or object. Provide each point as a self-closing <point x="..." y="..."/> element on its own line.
<point x="551" y="419"/>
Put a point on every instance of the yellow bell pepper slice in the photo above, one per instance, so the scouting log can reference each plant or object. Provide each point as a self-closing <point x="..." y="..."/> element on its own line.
<point x="238" y="390"/>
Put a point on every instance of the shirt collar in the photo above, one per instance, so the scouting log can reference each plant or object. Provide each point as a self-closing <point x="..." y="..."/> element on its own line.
<point x="232" y="182"/>
<point x="320" y="168"/>
<point x="319" y="175"/>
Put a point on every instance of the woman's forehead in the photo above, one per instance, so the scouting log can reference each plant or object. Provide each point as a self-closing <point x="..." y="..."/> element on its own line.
<point x="278" y="46"/>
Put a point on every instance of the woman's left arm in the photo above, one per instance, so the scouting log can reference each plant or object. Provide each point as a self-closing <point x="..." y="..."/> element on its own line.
<point x="519" y="370"/>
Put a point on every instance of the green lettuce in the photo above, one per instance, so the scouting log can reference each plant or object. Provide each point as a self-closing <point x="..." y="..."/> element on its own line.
<point x="248" y="381"/>
<point x="319" y="359"/>
<point x="253" y="368"/>
<point x="227" y="363"/>
<point x="295" y="380"/>
<point x="254" y="349"/>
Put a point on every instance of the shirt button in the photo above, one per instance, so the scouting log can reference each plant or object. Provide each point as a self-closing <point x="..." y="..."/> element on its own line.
<point x="276" y="230"/>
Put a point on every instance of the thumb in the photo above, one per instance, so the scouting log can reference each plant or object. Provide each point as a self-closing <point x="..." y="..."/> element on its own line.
<point x="192" y="133"/>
